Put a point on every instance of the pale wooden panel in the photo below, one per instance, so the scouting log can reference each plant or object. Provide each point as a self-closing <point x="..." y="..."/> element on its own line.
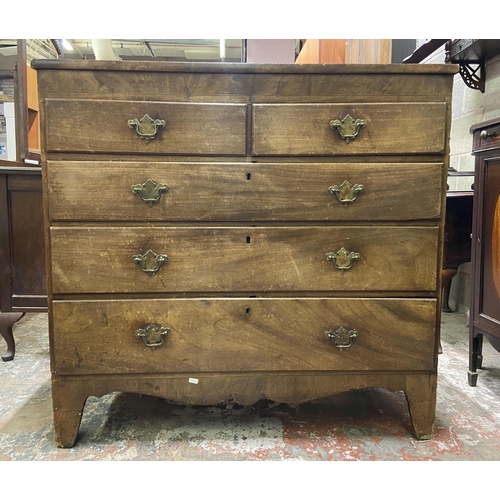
<point x="368" y="51"/>
<point x="244" y="259"/>
<point x="243" y="335"/>
<point x="322" y="52"/>
<point x="304" y="129"/>
<point x="309" y="53"/>
<point x="101" y="191"/>
<point x="332" y="51"/>
<point x="102" y="126"/>
<point x="32" y="90"/>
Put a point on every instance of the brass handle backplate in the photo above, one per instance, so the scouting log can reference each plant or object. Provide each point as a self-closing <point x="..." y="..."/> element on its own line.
<point x="346" y="193"/>
<point x="348" y="128"/>
<point x="150" y="262"/>
<point x="342" y="337"/>
<point x="343" y="259"/>
<point x="152" y="334"/>
<point x="149" y="191"/>
<point x="146" y="127"/>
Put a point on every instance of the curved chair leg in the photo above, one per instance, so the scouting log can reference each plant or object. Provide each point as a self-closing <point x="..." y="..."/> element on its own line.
<point x="7" y="320"/>
<point x="447" y="277"/>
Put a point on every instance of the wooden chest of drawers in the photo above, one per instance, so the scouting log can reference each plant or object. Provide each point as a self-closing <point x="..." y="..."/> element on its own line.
<point x="242" y="232"/>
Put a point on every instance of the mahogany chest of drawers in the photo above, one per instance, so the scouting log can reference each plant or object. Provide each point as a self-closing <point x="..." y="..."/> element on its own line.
<point x="236" y="231"/>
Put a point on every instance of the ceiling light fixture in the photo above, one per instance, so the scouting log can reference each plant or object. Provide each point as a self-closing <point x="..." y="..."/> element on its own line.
<point x="67" y="45"/>
<point x="223" y="49"/>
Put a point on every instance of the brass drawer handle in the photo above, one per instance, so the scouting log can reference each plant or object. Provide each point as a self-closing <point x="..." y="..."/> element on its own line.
<point x="348" y="128"/>
<point x="150" y="262"/>
<point x="149" y="191"/>
<point x="342" y="259"/>
<point x="346" y="193"/>
<point x="152" y="334"/>
<point x="342" y="337"/>
<point x="146" y="127"/>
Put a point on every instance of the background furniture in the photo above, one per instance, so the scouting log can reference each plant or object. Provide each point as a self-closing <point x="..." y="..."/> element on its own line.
<point x="321" y="51"/>
<point x="485" y="264"/>
<point x="245" y="232"/>
<point x="457" y="242"/>
<point x="22" y="255"/>
<point x="22" y="251"/>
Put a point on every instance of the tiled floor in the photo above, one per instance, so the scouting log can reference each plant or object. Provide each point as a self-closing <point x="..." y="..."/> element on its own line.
<point x="365" y="425"/>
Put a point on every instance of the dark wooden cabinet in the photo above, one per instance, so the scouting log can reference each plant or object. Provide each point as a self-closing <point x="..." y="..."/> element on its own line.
<point x="22" y="255"/>
<point x="485" y="271"/>
<point x="457" y="241"/>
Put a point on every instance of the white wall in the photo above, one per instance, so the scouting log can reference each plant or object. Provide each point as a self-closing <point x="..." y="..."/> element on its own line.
<point x="270" y="51"/>
<point x="468" y="108"/>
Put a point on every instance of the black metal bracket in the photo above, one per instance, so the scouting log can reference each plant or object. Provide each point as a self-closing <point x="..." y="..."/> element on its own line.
<point x="473" y="75"/>
<point x="472" y="55"/>
<point x="469" y="55"/>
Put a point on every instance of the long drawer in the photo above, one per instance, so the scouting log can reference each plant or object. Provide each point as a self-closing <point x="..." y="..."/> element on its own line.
<point x="224" y="259"/>
<point x="388" y="128"/>
<point x="201" y="335"/>
<point x="181" y="128"/>
<point x="160" y="191"/>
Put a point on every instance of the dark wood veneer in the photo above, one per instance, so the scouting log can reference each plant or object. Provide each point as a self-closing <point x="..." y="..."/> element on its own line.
<point x="485" y="268"/>
<point x="22" y="254"/>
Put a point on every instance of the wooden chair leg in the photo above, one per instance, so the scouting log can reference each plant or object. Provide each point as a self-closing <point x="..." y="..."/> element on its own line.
<point x="7" y="320"/>
<point x="447" y="276"/>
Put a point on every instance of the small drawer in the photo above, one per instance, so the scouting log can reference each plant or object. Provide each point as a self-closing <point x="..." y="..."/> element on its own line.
<point x="348" y="129"/>
<point x="197" y="336"/>
<point x="108" y="126"/>
<point x="243" y="259"/>
<point x="486" y="138"/>
<point x="149" y="191"/>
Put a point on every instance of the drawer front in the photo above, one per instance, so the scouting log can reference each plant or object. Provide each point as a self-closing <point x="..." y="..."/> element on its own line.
<point x="123" y="191"/>
<point x="245" y="259"/>
<point x="244" y="335"/>
<point x="486" y="137"/>
<point x="103" y="126"/>
<point x="389" y="128"/>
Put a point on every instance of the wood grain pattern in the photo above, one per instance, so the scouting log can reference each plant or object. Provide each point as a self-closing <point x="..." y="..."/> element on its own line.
<point x="247" y="213"/>
<point x="99" y="259"/>
<point x="304" y="129"/>
<point x="368" y="51"/>
<point x="101" y="191"/>
<point x="130" y="67"/>
<point x="309" y="83"/>
<point x="22" y="256"/>
<point x="69" y="394"/>
<point x="102" y="126"/>
<point x="243" y="335"/>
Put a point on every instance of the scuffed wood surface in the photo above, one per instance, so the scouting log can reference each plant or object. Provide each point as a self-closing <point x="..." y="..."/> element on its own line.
<point x="70" y="393"/>
<point x="391" y="128"/>
<point x="243" y="335"/>
<point x="97" y="259"/>
<point x="102" y="126"/>
<point x="101" y="191"/>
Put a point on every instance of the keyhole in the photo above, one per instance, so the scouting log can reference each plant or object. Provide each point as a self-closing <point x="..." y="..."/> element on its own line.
<point x="249" y="176"/>
<point x="248" y="240"/>
<point x="247" y="311"/>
